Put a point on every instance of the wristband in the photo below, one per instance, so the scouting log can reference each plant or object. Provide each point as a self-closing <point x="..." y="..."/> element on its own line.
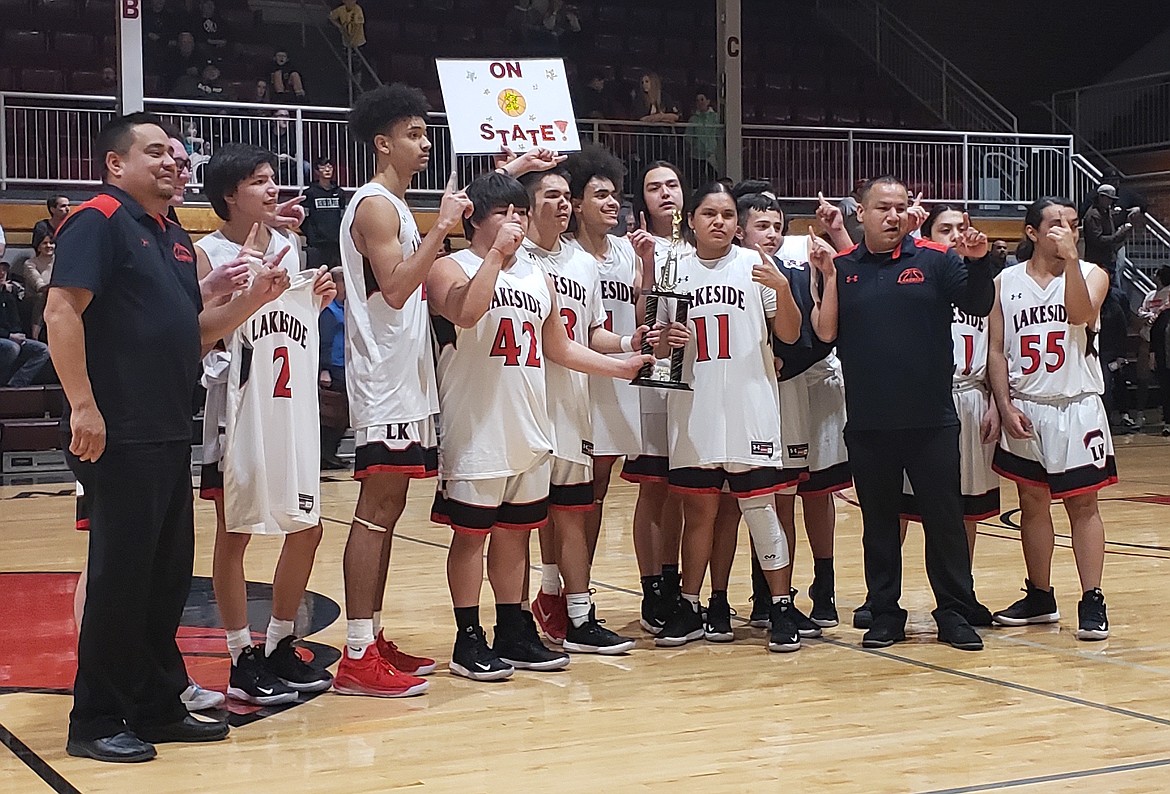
<point x="627" y="344"/>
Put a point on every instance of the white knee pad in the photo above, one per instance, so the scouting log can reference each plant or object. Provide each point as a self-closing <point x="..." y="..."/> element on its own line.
<point x="759" y="513"/>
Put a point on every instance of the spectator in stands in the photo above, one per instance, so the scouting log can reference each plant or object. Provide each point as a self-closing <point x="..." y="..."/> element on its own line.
<point x="652" y="105"/>
<point x="351" y="21"/>
<point x="594" y="101"/>
<point x="262" y="95"/>
<point x="157" y="33"/>
<point x="560" y="22"/>
<point x="179" y="64"/>
<point x="848" y="207"/>
<point x="1111" y="344"/>
<point x="192" y="140"/>
<point x="109" y="81"/>
<point x="1000" y="257"/>
<point x="324" y="204"/>
<point x="282" y="143"/>
<point x="34" y="274"/>
<point x="1103" y="236"/>
<point x="703" y="140"/>
<point x="212" y="31"/>
<point x="287" y="86"/>
<point x="209" y="85"/>
<point x="58" y="207"/>
<point x="334" y="407"/>
<point x="1127" y="197"/>
<point x="21" y="358"/>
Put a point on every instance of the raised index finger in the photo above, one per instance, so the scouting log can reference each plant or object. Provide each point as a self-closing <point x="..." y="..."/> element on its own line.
<point x="966" y="221"/>
<point x="821" y="199"/>
<point x="452" y="182"/>
<point x="642" y="223"/>
<point x="250" y="240"/>
<point x="763" y="254"/>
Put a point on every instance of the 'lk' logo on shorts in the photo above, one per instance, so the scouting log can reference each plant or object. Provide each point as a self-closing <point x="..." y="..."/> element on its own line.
<point x="911" y="275"/>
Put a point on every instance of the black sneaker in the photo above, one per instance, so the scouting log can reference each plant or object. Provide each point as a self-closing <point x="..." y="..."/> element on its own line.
<point x="885" y="630"/>
<point x="592" y="637"/>
<point x="473" y="658"/>
<point x="252" y="682"/>
<point x="521" y="647"/>
<point x="1037" y="606"/>
<point x="954" y="630"/>
<point x="650" y="618"/>
<point x="824" y="604"/>
<point x="804" y="624"/>
<point x="683" y="626"/>
<point x="784" y="637"/>
<point x="287" y="665"/>
<point x="863" y="616"/>
<point x="1093" y="622"/>
<point x="761" y="597"/>
<point x="980" y="616"/>
<point x="717" y="624"/>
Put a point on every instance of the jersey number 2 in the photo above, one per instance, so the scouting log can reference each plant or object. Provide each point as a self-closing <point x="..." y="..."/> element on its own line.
<point x="281" y="387"/>
<point x="506" y="347"/>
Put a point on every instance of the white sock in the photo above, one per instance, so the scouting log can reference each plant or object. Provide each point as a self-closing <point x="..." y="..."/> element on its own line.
<point x="238" y="640"/>
<point x="359" y="635"/>
<point x="377" y="622"/>
<point x="277" y="631"/>
<point x="693" y="600"/>
<point x="579" y="606"/>
<point x="550" y="579"/>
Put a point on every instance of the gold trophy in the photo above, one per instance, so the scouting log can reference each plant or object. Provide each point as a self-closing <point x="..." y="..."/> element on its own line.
<point x="663" y="374"/>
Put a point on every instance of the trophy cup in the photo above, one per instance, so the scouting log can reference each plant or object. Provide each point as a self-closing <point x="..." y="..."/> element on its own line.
<point x="660" y="374"/>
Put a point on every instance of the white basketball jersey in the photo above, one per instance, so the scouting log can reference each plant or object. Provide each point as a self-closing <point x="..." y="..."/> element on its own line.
<point x="616" y="404"/>
<point x="389" y="359"/>
<point x="492" y="379"/>
<point x="969" y="336"/>
<point x="578" y="287"/>
<point x="220" y="250"/>
<point x="272" y="459"/>
<point x="1047" y="358"/>
<point x="733" y="413"/>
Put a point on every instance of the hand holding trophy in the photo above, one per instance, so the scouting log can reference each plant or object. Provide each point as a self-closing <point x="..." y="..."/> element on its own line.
<point x="659" y="375"/>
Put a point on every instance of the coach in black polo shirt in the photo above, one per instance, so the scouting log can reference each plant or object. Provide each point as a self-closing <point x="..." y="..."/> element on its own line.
<point x="126" y="334"/>
<point x="891" y="302"/>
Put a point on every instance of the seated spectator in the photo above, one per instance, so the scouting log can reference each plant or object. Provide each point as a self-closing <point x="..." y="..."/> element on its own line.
<point x="560" y="21"/>
<point x="595" y="100"/>
<point x="324" y="204"/>
<point x="282" y="142"/>
<point x="21" y="358"/>
<point x="209" y="86"/>
<point x="211" y="30"/>
<point x="109" y="81"/>
<point x="187" y="85"/>
<point x="286" y="80"/>
<point x="652" y="105"/>
<point x="703" y="138"/>
<point x="262" y="95"/>
<point x="34" y="274"/>
<point x="58" y="207"/>
<point x="334" y="403"/>
<point x="157" y="33"/>
<point x="181" y="62"/>
<point x="192" y="140"/>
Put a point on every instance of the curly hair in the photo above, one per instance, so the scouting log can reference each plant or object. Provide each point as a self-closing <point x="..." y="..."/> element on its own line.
<point x="376" y="111"/>
<point x="593" y="161"/>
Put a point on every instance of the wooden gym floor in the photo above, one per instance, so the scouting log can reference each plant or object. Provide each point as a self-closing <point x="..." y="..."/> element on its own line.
<point x="1037" y="711"/>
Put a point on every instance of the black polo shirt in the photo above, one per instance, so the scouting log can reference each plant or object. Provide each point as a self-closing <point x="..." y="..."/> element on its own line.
<point x="142" y="327"/>
<point x="894" y="331"/>
<point x="808" y="349"/>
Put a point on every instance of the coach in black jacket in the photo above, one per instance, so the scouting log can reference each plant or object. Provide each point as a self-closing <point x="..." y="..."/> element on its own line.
<point x="889" y="299"/>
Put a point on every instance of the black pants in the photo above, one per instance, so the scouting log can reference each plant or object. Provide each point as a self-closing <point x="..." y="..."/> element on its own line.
<point x="930" y="457"/>
<point x="130" y="672"/>
<point x="1164" y="393"/>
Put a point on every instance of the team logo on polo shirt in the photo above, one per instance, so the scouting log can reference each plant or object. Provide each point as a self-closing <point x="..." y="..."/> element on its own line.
<point x="183" y="253"/>
<point x="911" y="275"/>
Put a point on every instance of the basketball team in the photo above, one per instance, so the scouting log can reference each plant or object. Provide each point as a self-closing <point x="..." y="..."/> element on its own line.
<point x="505" y="370"/>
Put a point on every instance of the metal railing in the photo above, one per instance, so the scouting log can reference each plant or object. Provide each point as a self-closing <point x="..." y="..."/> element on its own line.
<point x="923" y="71"/>
<point x="45" y="139"/>
<point x="1122" y="115"/>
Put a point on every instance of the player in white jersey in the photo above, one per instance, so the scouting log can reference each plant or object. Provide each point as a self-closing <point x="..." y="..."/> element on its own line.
<point x="1046" y="375"/>
<point x="812" y="419"/>
<point x="658" y="511"/>
<point x="566" y="547"/>
<point x="978" y="416"/>
<point x="726" y="432"/>
<point x="595" y="184"/>
<point x="497" y="321"/>
<point x="240" y="184"/>
<point x="390" y="372"/>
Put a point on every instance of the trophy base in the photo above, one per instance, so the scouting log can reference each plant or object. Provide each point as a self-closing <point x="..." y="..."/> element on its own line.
<point x="660" y="384"/>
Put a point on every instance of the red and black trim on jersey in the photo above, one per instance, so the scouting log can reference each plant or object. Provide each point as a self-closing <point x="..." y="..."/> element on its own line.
<point x="835" y="478"/>
<point x="210" y="481"/>
<point x="975" y="508"/>
<point x="479" y="520"/>
<point x="646" y="468"/>
<point x="753" y="482"/>
<point x="1062" y="485"/>
<point x="414" y="461"/>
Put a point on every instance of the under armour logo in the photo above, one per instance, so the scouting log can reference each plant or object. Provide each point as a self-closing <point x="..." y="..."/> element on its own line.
<point x="1017" y="296"/>
<point x="852" y="279"/>
<point x="145" y="243"/>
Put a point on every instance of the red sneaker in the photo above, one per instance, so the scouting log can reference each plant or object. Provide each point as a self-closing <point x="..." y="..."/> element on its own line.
<point x="404" y="662"/>
<point x="552" y="613"/>
<point x="373" y="676"/>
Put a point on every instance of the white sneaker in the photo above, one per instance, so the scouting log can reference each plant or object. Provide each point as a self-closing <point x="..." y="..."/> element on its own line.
<point x="196" y="698"/>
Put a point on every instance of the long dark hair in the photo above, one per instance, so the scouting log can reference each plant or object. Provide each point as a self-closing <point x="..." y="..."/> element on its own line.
<point x="932" y="218"/>
<point x="696" y="198"/>
<point x="640" y="190"/>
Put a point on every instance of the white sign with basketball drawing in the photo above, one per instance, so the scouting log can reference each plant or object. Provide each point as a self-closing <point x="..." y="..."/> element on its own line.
<point x="520" y="104"/>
